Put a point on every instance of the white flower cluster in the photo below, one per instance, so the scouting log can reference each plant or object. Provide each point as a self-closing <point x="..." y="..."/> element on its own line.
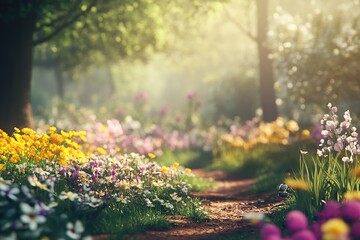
<point x="339" y="137"/>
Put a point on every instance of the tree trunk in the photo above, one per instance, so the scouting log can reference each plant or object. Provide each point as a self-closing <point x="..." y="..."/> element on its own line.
<point x="15" y="67"/>
<point x="59" y="82"/>
<point x="266" y="75"/>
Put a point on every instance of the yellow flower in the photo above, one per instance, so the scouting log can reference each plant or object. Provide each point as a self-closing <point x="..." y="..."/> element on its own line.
<point x="28" y="131"/>
<point x="164" y="169"/>
<point x="14" y="158"/>
<point x="297" y="184"/>
<point x="292" y="126"/>
<point x="356" y="172"/>
<point x="52" y="129"/>
<point x="355" y="195"/>
<point x="57" y="138"/>
<point x="335" y="228"/>
<point x="101" y="151"/>
<point x="187" y="170"/>
<point x="151" y="155"/>
<point x="305" y="134"/>
<point x="2" y="167"/>
<point x="176" y="164"/>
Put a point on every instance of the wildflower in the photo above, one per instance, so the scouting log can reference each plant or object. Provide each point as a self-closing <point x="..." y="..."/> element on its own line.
<point x="149" y="203"/>
<point x="270" y="230"/>
<point x="355" y="230"/>
<point x="355" y="195"/>
<point x="68" y="195"/>
<point x="151" y="155"/>
<point x="304" y="234"/>
<point x="335" y="228"/>
<point x="296" y="221"/>
<point x="330" y="210"/>
<point x="164" y="170"/>
<point x="122" y="199"/>
<point x="347" y="159"/>
<point x="101" y="151"/>
<point x="168" y="205"/>
<point x="2" y="167"/>
<point x="356" y="172"/>
<point x="176" y="164"/>
<point x="187" y="170"/>
<point x="292" y="126"/>
<point x="297" y="184"/>
<point x="36" y="183"/>
<point x="31" y="216"/>
<point x="351" y="211"/>
<point x="74" y="231"/>
<point x="9" y="191"/>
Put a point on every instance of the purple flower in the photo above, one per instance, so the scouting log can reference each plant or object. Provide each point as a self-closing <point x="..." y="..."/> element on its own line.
<point x="330" y="210"/>
<point x="355" y="230"/>
<point x="270" y="230"/>
<point x="351" y="211"/>
<point x="296" y="221"/>
<point x="304" y="235"/>
<point x="316" y="229"/>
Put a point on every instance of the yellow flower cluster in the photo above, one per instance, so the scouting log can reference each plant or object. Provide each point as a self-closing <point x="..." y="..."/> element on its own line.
<point x="276" y="132"/>
<point x="297" y="184"/>
<point x="27" y="145"/>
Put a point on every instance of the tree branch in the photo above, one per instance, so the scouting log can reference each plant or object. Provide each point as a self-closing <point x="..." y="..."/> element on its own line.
<point x="240" y="26"/>
<point x="59" y="19"/>
<point x="64" y="25"/>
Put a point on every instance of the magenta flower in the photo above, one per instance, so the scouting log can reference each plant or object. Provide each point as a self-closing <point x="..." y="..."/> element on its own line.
<point x="296" y="221"/>
<point x="330" y="210"/>
<point x="304" y="235"/>
<point x="270" y="232"/>
<point x="355" y="230"/>
<point x="351" y="211"/>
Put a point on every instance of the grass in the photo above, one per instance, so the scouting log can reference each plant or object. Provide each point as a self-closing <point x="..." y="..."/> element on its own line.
<point x="189" y="158"/>
<point x="199" y="184"/>
<point x="118" y="220"/>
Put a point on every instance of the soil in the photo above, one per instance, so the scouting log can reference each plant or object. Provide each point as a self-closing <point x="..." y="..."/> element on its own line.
<point x="225" y="205"/>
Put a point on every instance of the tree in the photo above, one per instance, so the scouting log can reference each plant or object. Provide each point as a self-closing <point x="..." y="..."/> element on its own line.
<point x="87" y="29"/>
<point x="318" y="54"/>
<point x="266" y="75"/>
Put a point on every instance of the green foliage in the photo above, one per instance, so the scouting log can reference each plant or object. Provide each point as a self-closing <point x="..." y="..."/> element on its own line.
<point x="328" y="178"/>
<point x="316" y="54"/>
<point x="260" y="159"/>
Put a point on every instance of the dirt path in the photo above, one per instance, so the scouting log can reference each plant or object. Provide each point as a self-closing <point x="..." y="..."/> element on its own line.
<point x="226" y="206"/>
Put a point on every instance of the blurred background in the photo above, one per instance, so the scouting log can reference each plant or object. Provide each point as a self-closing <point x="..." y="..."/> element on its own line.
<point x="153" y="59"/>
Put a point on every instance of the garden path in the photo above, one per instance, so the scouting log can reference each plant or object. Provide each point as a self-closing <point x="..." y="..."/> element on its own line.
<point x="226" y="206"/>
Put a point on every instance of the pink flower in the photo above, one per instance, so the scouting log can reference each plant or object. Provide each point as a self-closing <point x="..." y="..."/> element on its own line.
<point x="270" y="231"/>
<point x="304" y="235"/>
<point x="296" y="221"/>
<point x="351" y="211"/>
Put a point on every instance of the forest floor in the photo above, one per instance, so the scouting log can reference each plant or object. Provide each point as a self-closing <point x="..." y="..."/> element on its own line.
<point x="226" y="206"/>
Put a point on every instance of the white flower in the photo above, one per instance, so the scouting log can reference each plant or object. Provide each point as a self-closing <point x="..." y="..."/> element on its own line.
<point x="319" y="153"/>
<point x="325" y="133"/>
<point x="31" y="216"/>
<point x="68" y="195"/>
<point x="347" y="159"/>
<point x="74" y="231"/>
<point x="338" y="146"/>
